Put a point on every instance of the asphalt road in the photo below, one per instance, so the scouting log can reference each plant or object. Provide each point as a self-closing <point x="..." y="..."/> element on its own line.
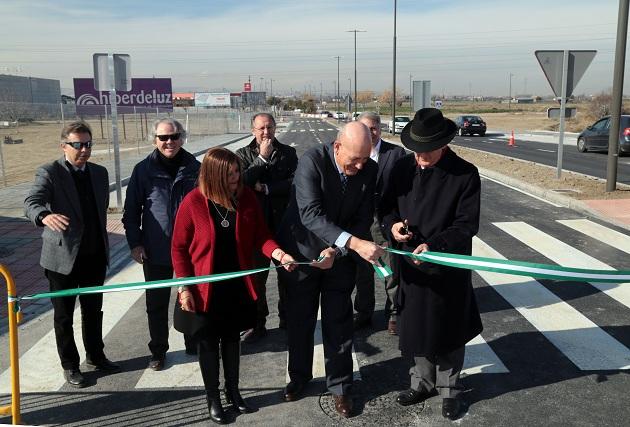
<point x="551" y="353"/>
<point x="590" y="163"/>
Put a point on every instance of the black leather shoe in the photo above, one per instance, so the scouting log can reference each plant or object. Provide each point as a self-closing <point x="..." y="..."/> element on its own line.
<point x="411" y="397"/>
<point x="361" y="323"/>
<point x="103" y="364"/>
<point x="156" y="363"/>
<point x="191" y="351"/>
<point x="74" y="377"/>
<point x="292" y="391"/>
<point x="233" y="397"/>
<point x="217" y="414"/>
<point x="450" y="408"/>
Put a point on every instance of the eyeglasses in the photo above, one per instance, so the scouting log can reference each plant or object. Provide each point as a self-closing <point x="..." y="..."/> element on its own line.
<point x="172" y="137"/>
<point x="262" y="129"/>
<point x="79" y="145"/>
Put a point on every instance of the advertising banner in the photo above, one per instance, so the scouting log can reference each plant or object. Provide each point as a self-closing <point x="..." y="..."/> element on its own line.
<point x="146" y="95"/>
<point x="208" y="99"/>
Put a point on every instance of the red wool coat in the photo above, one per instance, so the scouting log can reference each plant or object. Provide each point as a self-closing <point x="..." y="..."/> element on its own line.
<point x="192" y="245"/>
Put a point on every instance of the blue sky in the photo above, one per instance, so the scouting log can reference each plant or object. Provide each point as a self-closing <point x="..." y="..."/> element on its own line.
<point x="463" y="47"/>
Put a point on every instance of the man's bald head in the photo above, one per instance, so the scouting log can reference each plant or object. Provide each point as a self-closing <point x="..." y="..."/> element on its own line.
<point x="353" y="147"/>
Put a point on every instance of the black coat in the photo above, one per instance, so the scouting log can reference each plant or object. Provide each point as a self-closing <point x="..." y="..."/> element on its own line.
<point x="438" y="308"/>
<point x="277" y="174"/>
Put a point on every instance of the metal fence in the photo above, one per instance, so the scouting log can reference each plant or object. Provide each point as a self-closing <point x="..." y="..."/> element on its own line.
<point x="29" y="133"/>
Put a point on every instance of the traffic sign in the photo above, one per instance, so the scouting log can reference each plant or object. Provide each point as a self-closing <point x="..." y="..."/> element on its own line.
<point x="554" y="113"/>
<point x="122" y="72"/>
<point x="551" y="63"/>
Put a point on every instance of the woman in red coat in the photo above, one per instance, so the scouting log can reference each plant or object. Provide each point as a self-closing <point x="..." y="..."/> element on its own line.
<point x="218" y="227"/>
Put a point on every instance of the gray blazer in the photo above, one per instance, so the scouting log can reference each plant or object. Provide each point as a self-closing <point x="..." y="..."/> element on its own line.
<point x="318" y="211"/>
<point x="54" y="190"/>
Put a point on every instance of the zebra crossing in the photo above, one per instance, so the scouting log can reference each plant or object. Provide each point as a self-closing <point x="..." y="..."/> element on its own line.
<point x="588" y="346"/>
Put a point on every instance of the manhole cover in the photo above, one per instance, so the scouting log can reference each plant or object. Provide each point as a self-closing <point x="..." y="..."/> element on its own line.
<point x="380" y="410"/>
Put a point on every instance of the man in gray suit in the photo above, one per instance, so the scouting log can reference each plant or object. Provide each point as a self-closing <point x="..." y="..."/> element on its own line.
<point x="69" y="199"/>
<point x="330" y="212"/>
<point x="385" y="155"/>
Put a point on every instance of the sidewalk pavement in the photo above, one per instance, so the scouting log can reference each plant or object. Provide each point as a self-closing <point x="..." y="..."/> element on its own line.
<point x="20" y="240"/>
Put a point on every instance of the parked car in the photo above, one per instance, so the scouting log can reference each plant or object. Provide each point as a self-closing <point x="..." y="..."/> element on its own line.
<point x="339" y="115"/>
<point x="399" y="122"/>
<point x="595" y="137"/>
<point x="470" y="125"/>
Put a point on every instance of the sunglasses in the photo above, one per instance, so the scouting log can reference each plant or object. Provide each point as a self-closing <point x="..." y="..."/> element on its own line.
<point x="79" y="145"/>
<point x="172" y="137"/>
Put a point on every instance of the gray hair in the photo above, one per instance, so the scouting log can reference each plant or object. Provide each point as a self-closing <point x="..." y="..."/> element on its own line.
<point x="169" y="121"/>
<point x="371" y="116"/>
<point x="267" y="115"/>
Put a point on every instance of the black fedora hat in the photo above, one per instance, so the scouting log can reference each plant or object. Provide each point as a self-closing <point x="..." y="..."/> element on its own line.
<point x="428" y="131"/>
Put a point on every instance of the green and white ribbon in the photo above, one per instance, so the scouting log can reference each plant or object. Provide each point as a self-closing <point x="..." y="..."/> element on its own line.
<point x="519" y="268"/>
<point x="382" y="270"/>
<point x="169" y="283"/>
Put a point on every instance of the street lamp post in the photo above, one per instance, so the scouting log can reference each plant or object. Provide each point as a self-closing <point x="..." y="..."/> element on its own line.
<point x="410" y="95"/>
<point x="349" y="94"/>
<point x="394" y="77"/>
<point x="510" y="94"/>
<point x="338" y="58"/>
<point x="355" y="65"/>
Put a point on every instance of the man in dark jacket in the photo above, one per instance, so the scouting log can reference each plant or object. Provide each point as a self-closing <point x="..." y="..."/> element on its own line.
<point x="69" y="199"/>
<point x="385" y="155"/>
<point x="432" y="203"/>
<point x="268" y="168"/>
<point x="156" y="188"/>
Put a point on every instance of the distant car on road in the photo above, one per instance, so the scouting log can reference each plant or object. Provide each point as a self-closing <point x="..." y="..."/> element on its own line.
<point x="339" y="115"/>
<point x="399" y="122"/>
<point x="470" y="125"/>
<point x="595" y="137"/>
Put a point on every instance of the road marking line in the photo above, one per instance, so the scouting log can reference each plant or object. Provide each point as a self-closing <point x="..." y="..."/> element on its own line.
<point x="563" y="254"/>
<point x="40" y="368"/>
<point x="302" y="130"/>
<point x="521" y="191"/>
<point x="599" y="232"/>
<point x="578" y="338"/>
<point x="480" y="358"/>
<point x="546" y="151"/>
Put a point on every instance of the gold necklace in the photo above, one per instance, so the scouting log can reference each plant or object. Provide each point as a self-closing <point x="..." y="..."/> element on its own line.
<point x="224" y="223"/>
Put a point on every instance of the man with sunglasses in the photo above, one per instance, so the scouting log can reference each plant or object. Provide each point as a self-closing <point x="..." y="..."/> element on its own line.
<point x="156" y="188"/>
<point x="69" y="199"/>
<point x="268" y="168"/>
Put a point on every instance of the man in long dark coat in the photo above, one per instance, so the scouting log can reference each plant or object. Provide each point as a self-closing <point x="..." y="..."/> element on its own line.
<point x="432" y="204"/>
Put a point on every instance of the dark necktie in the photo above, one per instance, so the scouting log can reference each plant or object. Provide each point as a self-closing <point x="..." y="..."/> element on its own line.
<point x="344" y="182"/>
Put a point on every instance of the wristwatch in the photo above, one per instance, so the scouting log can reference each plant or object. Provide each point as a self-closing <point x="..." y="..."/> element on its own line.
<point x="338" y="252"/>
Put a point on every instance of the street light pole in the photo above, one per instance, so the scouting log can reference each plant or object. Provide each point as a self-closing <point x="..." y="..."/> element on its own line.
<point x="394" y="78"/>
<point x="349" y="95"/>
<point x="355" y="65"/>
<point x="338" y="58"/>
<point x="410" y="95"/>
<point x="510" y="94"/>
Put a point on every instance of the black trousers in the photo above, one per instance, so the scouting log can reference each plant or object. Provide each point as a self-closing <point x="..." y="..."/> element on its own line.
<point x="85" y="273"/>
<point x="158" y="301"/>
<point x="306" y="286"/>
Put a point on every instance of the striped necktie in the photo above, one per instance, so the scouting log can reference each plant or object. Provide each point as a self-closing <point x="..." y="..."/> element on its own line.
<point x="344" y="182"/>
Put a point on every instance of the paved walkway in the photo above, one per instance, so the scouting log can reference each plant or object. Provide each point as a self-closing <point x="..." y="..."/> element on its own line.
<point x="20" y="240"/>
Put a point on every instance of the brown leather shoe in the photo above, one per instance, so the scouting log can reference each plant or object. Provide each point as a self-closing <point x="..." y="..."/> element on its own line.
<point x="343" y="405"/>
<point x="392" y="328"/>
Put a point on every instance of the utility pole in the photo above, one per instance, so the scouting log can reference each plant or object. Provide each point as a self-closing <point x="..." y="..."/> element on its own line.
<point x="510" y="94"/>
<point x="355" y="65"/>
<point x="338" y="58"/>
<point x="394" y="78"/>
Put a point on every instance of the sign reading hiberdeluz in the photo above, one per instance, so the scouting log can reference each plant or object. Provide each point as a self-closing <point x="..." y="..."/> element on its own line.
<point x="146" y="95"/>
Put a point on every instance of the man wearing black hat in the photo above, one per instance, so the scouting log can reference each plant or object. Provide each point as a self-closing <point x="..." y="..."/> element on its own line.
<point x="432" y="204"/>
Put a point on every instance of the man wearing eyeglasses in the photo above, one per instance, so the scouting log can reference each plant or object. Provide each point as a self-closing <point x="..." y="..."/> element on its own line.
<point x="268" y="168"/>
<point x="156" y="188"/>
<point x="69" y="198"/>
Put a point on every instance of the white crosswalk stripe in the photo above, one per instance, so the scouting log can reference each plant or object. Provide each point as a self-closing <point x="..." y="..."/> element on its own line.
<point x="563" y="254"/>
<point x="583" y="342"/>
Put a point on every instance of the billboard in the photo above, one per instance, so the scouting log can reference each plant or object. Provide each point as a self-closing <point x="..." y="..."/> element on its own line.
<point x="146" y="95"/>
<point x="209" y="99"/>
